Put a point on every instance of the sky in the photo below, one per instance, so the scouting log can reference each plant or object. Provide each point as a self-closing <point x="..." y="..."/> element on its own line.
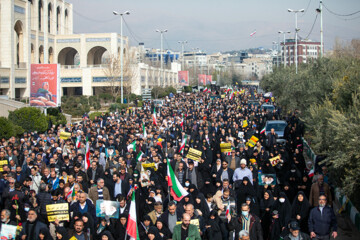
<point x="217" y="25"/>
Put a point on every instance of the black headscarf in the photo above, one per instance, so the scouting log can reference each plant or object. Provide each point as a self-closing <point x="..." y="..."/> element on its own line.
<point x="284" y="209"/>
<point x="63" y="232"/>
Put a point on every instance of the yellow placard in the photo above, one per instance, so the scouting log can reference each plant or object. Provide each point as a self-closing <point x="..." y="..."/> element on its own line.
<point x="225" y="147"/>
<point x="148" y="165"/>
<point x="65" y="135"/>
<point x="275" y="160"/>
<point x="58" y="211"/>
<point x="245" y="124"/>
<point x="194" y="154"/>
<point x="252" y="142"/>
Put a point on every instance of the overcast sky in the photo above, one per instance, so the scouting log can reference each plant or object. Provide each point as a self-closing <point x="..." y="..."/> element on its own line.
<point x="216" y="25"/>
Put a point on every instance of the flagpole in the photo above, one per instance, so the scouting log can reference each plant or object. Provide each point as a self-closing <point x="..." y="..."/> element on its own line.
<point x="125" y="233"/>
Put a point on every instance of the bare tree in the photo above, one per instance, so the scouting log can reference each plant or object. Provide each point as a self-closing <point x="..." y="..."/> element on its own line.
<point x="113" y="73"/>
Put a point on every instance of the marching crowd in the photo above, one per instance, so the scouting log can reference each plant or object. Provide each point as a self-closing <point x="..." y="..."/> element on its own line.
<point x="104" y="159"/>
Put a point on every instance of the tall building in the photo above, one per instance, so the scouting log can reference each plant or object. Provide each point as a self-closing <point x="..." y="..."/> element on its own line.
<point x="41" y="31"/>
<point x="306" y="50"/>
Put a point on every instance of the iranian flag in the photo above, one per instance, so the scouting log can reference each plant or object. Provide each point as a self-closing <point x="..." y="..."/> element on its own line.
<point x="131" y="228"/>
<point x="176" y="190"/>
<point x="78" y="141"/>
<point x="139" y="156"/>
<point x="144" y="131"/>
<point x="262" y="131"/>
<point x="71" y="193"/>
<point x="205" y="90"/>
<point x="228" y="210"/>
<point x="312" y="171"/>
<point x="231" y="95"/>
<point x="87" y="155"/>
<point x="183" y="143"/>
<point x="182" y="121"/>
<point x="132" y="146"/>
<point x="154" y="118"/>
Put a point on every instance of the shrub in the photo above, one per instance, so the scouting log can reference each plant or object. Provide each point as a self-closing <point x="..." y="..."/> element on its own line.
<point x="106" y="97"/>
<point x="140" y="104"/>
<point x="117" y="106"/>
<point x="8" y="129"/>
<point x="187" y="89"/>
<point x="29" y="118"/>
<point x="94" y="114"/>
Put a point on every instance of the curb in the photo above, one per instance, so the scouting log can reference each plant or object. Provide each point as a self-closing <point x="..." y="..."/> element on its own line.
<point x="348" y="208"/>
<point x="345" y="203"/>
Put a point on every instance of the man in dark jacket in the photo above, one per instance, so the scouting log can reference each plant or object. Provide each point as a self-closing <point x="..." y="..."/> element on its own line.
<point x="171" y="216"/>
<point x="322" y="221"/>
<point x="44" y="198"/>
<point x="31" y="228"/>
<point x="248" y="222"/>
<point x="295" y="232"/>
<point x="84" y="205"/>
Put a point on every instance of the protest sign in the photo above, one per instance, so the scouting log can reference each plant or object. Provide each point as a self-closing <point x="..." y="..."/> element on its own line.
<point x="225" y="147"/>
<point x="252" y="141"/>
<point x="108" y="209"/>
<point x="58" y="211"/>
<point x="7" y="232"/>
<point x="146" y="166"/>
<point x="267" y="179"/>
<point x="275" y="160"/>
<point x="194" y="154"/>
<point x="65" y="135"/>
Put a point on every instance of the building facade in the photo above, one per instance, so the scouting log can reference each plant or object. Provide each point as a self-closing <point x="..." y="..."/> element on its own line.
<point x="306" y="49"/>
<point x="41" y="31"/>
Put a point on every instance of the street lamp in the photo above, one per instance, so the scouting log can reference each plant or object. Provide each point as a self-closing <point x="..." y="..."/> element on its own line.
<point x="161" y="51"/>
<point x="182" y="53"/>
<point x="121" y="52"/>
<point x="284" y="32"/>
<point x="194" y="49"/>
<point x="319" y="10"/>
<point x="296" y="31"/>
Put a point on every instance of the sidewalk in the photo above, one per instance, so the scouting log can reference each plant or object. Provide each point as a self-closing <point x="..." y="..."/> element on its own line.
<point x="346" y="229"/>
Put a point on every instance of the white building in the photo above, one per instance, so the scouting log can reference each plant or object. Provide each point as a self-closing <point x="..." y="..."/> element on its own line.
<point x="41" y="31"/>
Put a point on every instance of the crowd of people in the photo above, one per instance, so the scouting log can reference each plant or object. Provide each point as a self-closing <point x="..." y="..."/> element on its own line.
<point x="225" y="199"/>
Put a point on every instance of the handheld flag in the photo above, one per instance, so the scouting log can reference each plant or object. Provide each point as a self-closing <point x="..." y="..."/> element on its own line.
<point x="154" y="118"/>
<point x="262" y="131"/>
<point x="253" y="33"/>
<point x="78" y="141"/>
<point x="183" y="143"/>
<point x="176" y="190"/>
<point x="87" y="155"/>
<point x="139" y="156"/>
<point x="131" y="227"/>
<point x="71" y="193"/>
<point x="144" y="131"/>
<point x="132" y="146"/>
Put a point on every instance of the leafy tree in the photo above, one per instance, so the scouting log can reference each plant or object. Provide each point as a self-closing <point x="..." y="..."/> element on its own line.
<point x="29" y="118"/>
<point x="8" y="129"/>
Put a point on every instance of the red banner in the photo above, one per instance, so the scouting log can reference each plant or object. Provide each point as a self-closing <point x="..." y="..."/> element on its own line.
<point x="45" y="85"/>
<point x="202" y="79"/>
<point x="183" y="78"/>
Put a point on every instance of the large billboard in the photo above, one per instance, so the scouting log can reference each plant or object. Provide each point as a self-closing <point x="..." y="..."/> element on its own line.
<point x="208" y="79"/>
<point x="202" y="79"/>
<point x="183" y="78"/>
<point x="45" y="85"/>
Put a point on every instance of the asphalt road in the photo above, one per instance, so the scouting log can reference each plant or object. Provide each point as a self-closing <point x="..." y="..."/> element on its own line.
<point x="346" y="229"/>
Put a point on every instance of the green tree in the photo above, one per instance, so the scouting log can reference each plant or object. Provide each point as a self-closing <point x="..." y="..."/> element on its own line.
<point x="8" y="129"/>
<point x="29" y="118"/>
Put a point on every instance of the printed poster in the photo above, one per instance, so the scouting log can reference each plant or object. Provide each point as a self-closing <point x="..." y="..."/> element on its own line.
<point x="58" y="211"/>
<point x="208" y="79"/>
<point x="267" y="179"/>
<point x="202" y="79"/>
<point x="183" y="78"/>
<point x="45" y="85"/>
<point x="108" y="209"/>
<point x="7" y="232"/>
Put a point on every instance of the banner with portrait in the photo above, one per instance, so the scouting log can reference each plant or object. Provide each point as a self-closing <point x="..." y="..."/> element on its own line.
<point x="7" y="232"/>
<point x="108" y="209"/>
<point x="183" y="77"/>
<point x="45" y="85"/>
<point x="202" y="79"/>
<point x="208" y="79"/>
<point x="267" y="179"/>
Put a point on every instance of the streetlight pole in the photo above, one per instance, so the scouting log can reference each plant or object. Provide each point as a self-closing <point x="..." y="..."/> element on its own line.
<point x="121" y="53"/>
<point x="182" y="53"/>
<point x="284" y="32"/>
<point x="194" y="49"/>
<point x="296" y="34"/>
<point x="161" y="52"/>
<point x="319" y="10"/>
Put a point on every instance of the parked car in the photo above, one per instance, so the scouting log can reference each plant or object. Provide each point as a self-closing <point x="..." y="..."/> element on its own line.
<point x="279" y="127"/>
